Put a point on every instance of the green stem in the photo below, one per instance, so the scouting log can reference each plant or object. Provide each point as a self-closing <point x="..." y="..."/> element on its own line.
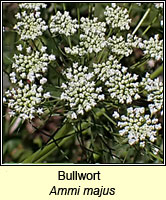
<point x="104" y="57"/>
<point x="141" y="21"/>
<point x="157" y="72"/>
<point x="67" y="129"/>
<point x="140" y="63"/>
<point x="109" y="33"/>
<point x="61" y="51"/>
<point x="64" y="6"/>
<point x="40" y="155"/>
<point x="78" y="14"/>
<point x="78" y="17"/>
<point x="42" y="158"/>
<point x="150" y="25"/>
<point x="82" y="61"/>
<point x="100" y="55"/>
<point x="69" y="41"/>
<point x="120" y="58"/>
<point x="156" y="157"/>
<point x="89" y="10"/>
<point x="109" y="118"/>
<point x="55" y="7"/>
<point x="130" y="8"/>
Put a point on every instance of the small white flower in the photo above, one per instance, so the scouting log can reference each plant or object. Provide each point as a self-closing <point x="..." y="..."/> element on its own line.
<point x="142" y="144"/>
<point x="40" y="111"/>
<point x="43" y="49"/>
<point x="28" y="49"/>
<point x="19" y="47"/>
<point x="4" y="100"/>
<point x="37" y="14"/>
<point x="116" y="115"/>
<point x="113" y="5"/>
<point x="155" y="151"/>
<point x="18" y="16"/>
<point x="23" y="75"/>
<point x="73" y="115"/>
<point x="52" y="57"/>
<point x="43" y="81"/>
<point x="40" y="89"/>
<point x="101" y="97"/>
<point x="137" y="96"/>
<point x="152" y="138"/>
<point x="47" y="95"/>
<point x="13" y="79"/>
<point x="20" y="83"/>
<point x="13" y="74"/>
<point x="12" y="113"/>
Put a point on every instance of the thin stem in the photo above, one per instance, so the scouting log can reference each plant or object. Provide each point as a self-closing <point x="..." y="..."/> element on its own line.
<point x="66" y="129"/>
<point x="157" y="72"/>
<point x="104" y="57"/>
<point x="43" y="157"/>
<point x="109" y="118"/>
<point x="82" y="61"/>
<point x="141" y="21"/>
<point x="78" y="17"/>
<point x="64" y="6"/>
<point x="120" y="58"/>
<point x="100" y="55"/>
<point x="55" y="7"/>
<point x="40" y="155"/>
<point x="156" y="157"/>
<point x="89" y="10"/>
<point x="150" y="25"/>
<point x="62" y="51"/>
<point x="130" y="8"/>
<point x="140" y="63"/>
<point x="69" y="41"/>
<point x="78" y="14"/>
<point x="109" y="33"/>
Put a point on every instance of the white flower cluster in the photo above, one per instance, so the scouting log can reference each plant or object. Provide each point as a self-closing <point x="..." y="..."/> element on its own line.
<point x="121" y="85"/>
<point x="153" y="47"/>
<point x="25" y="100"/>
<point x="92" y="37"/>
<point x="80" y="91"/>
<point x="63" y="24"/>
<point x="138" y="126"/>
<point x="117" y="17"/>
<point x="31" y="66"/>
<point x="30" y="25"/>
<point x="158" y="5"/>
<point x="154" y="89"/>
<point x="119" y="46"/>
<point x="32" y="6"/>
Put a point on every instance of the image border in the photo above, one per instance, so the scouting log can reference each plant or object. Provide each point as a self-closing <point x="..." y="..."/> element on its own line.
<point x="46" y="164"/>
